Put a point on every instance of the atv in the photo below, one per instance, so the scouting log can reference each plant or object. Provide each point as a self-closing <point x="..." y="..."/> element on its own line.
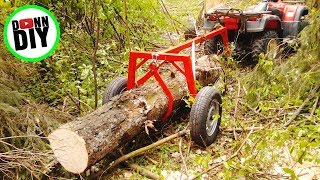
<point x="259" y="29"/>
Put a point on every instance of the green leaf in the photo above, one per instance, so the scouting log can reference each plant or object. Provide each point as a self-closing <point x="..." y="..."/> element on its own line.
<point x="291" y="172"/>
<point x="215" y="117"/>
<point x="318" y="112"/>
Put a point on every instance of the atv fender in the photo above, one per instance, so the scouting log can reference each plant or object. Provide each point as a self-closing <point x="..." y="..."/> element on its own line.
<point x="271" y="22"/>
<point x="291" y="29"/>
<point x="302" y="11"/>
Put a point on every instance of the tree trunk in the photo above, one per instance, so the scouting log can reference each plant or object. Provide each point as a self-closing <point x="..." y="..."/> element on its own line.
<point x="81" y="143"/>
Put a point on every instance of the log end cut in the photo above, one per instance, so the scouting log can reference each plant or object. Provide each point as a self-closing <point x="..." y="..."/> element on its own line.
<point x="69" y="149"/>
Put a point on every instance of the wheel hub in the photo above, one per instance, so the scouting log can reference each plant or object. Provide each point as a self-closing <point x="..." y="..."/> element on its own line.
<point x="212" y="119"/>
<point x="272" y="49"/>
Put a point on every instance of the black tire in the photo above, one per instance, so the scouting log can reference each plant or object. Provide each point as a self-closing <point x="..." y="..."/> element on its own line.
<point x="242" y="51"/>
<point x="213" y="46"/>
<point x="261" y="44"/>
<point x="207" y="104"/>
<point x="242" y="54"/>
<point x="115" y="87"/>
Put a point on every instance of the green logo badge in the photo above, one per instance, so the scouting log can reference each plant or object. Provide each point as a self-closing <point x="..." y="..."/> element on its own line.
<point x="31" y="33"/>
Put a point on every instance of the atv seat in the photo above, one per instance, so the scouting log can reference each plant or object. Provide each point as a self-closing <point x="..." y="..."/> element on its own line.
<point x="276" y="12"/>
<point x="260" y="7"/>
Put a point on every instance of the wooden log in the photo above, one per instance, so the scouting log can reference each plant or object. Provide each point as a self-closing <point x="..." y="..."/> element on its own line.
<point x="81" y="143"/>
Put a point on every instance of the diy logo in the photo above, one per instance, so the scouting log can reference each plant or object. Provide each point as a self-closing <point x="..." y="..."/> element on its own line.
<point x="31" y="33"/>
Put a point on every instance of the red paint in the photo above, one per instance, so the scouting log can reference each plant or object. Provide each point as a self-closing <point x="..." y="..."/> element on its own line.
<point x="231" y="23"/>
<point x="212" y="18"/>
<point x="277" y="5"/>
<point x="26" y="23"/>
<point x="289" y="12"/>
<point x="254" y="18"/>
<point x="272" y="24"/>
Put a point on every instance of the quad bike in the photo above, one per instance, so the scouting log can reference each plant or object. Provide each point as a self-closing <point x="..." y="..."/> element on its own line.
<point x="259" y="29"/>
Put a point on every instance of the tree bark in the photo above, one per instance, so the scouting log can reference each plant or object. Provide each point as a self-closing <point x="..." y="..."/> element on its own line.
<point x="81" y="143"/>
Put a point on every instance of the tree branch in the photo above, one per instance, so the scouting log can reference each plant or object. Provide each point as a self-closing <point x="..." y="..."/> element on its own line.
<point x="143" y="171"/>
<point x="144" y="149"/>
<point x="94" y="57"/>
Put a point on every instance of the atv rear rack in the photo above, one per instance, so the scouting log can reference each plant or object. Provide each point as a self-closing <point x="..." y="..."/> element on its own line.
<point x="171" y="55"/>
<point x="294" y="2"/>
<point x="235" y="13"/>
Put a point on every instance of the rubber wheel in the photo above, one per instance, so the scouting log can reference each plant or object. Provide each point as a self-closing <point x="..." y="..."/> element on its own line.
<point x="115" y="87"/>
<point x="213" y="46"/>
<point x="242" y="52"/>
<point x="267" y="43"/>
<point x="205" y="116"/>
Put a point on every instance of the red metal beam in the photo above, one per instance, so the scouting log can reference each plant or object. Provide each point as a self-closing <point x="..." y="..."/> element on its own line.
<point x="221" y="31"/>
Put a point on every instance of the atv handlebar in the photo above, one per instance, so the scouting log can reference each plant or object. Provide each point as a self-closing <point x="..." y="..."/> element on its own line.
<point x="226" y="11"/>
<point x="236" y="13"/>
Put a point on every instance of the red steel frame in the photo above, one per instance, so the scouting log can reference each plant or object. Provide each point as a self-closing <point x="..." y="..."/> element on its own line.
<point x="169" y="56"/>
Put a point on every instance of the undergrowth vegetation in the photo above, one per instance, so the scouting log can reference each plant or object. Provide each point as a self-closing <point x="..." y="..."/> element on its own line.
<point x="284" y="97"/>
<point x="270" y="124"/>
<point x="67" y="77"/>
<point x="24" y="150"/>
<point x="65" y="81"/>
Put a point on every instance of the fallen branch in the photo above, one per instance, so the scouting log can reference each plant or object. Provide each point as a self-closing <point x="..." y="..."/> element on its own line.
<point x="182" y="157"/>
<point x="143" y="171"/>
<point x="296" y="114"/>
<point x="50" y="166"/>
<point x="146" y="148"/>
<point x="315" y="106"/>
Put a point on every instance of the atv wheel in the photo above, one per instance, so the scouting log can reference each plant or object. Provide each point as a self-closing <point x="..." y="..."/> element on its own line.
<point x="268" y="43"/>
<point x="115" y="87"/>
<point x="242" y="52"/>
<point x="213" y="46"/>
<point x="205" y="116"/>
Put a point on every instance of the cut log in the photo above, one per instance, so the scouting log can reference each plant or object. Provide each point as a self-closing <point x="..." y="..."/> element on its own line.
<point x="81" y="143"/>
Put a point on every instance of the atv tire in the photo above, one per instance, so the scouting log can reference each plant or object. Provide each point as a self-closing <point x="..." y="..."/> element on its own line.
<point x="213" y="46"/>
<point x="115" y="87"/>
<point x="205" y="116"/>
<point x="267" y="43"/>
